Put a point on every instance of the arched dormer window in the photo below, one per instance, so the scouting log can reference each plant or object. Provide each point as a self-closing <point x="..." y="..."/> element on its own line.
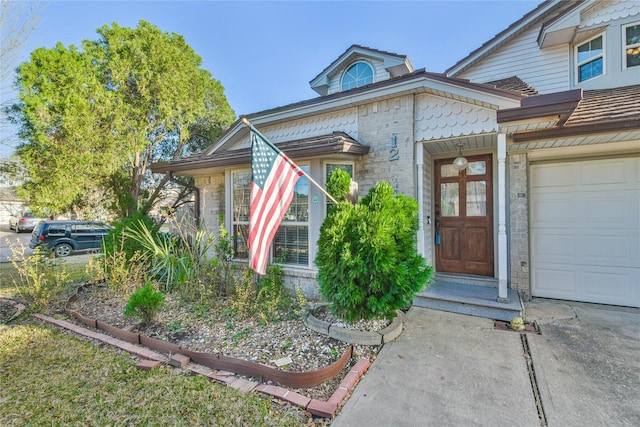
<point x="359" y="74"/>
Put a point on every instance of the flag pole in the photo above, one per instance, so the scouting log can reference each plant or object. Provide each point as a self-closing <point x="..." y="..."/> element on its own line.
<point x="250" y="126"/>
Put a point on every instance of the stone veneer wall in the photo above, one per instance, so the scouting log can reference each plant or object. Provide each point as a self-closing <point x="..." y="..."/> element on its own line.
<point x="212" y="202"/>
<point x="519" y="224"/>
<point x="377" y="122"/>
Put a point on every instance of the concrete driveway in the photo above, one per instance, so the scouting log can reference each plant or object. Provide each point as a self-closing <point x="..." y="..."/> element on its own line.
<point x="9" y="239"/>
<point x="455" y="370"/>
<point x="587" y="363"/>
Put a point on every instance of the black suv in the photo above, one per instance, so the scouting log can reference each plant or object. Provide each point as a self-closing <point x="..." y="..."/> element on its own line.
<point x="64" y="237"/>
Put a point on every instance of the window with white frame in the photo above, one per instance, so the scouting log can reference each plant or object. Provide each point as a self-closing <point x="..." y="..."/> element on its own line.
<point x="631" y="37"/>
<point x="590" y="58"/>
<point x="291" y="242"/>
<point x="359" y="74"/>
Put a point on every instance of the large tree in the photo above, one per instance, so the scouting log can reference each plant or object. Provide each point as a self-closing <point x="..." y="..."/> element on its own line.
<point x="95" y="118"/>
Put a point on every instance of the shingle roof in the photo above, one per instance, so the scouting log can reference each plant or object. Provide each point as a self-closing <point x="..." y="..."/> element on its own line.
<point x="335" y="143"/>
<point x="605" y="105"/>
<point x="579" y="113"/>
<point x="514" y="83"/>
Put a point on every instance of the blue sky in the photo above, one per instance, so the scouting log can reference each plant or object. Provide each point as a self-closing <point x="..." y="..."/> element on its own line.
<point x="265" y="53"/>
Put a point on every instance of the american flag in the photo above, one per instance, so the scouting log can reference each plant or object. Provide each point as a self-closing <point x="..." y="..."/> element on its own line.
<point x="273" y="178"/>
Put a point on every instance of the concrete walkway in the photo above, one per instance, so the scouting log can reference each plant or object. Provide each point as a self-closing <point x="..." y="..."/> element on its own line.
<point x="454" y="370"/>
<point x="445" y="370"/>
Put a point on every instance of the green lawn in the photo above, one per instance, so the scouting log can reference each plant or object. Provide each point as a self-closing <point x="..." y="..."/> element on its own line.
<point x="48" y="377"/>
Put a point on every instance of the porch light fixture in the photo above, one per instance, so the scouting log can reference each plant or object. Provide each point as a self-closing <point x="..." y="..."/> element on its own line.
<point x="460" y="162"/>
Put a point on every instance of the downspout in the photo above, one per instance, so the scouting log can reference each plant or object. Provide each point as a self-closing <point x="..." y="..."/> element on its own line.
<point x="196" y="193"/>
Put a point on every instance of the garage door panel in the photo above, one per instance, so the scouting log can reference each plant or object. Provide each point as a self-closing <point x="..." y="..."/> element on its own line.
<point x="553" y="282"/>
<point x="614" y="286"/>
<point x="552" y="209"/>
<point x="552" y="247"/>
<point x="586" y="246"/>
<point x="604" y="172"/>
<point x="585" y="230"/>
<point x="612" y="249"/>
<point x="608" y="210"/>
<point x="553" y="176"/>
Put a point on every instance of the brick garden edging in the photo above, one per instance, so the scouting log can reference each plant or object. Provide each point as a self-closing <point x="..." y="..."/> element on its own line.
<point x="326" y="409"/>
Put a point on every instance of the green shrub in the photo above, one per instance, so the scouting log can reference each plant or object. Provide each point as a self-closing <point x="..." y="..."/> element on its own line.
<point x="338" y="185"/>
<point x="144" y="303"/>
<point x="118" y="241"/>
<point x="368" y="265"/>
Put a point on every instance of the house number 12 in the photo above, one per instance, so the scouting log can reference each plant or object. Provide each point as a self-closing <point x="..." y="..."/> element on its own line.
<point x="394" y="151"/>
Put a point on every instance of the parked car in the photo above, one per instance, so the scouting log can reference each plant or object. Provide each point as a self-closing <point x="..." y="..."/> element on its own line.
<point x="24" y="221"/>
<point x="65" y="237"/>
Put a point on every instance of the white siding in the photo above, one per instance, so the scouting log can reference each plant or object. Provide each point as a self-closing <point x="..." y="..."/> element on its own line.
<point x="610" y="10"/>
<point x="341" y="121"/>
<point x="546" y="70"/>
<point x="438" y="118"/>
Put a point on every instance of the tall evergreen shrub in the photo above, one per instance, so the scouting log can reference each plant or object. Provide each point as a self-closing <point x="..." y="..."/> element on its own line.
<point x="367" y="257"/>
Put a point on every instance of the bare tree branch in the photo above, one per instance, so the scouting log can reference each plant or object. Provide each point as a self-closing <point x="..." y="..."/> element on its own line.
<point x="18" y="20"/>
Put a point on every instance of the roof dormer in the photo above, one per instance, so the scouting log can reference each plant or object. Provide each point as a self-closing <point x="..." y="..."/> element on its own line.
<point x="359" y="66"/>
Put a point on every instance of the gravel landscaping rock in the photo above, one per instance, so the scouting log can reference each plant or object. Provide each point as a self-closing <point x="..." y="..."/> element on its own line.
<point x="214" y="331"/>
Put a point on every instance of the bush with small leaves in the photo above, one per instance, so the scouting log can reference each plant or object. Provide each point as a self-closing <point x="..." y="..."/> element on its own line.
<point x="368" y="264"/>
<point x="144" y="303"/>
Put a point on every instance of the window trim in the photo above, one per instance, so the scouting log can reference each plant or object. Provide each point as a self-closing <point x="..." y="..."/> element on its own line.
<point x="232" y="213"/>
<point x="360" y="61"/>
<point x="625" y="46"/>
<point x="579" y="64"/>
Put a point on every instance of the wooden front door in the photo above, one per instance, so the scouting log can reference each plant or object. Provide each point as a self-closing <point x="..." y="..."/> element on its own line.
<point x="464" y="217"/>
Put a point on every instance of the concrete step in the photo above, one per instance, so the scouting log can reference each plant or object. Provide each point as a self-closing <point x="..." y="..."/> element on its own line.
<point x="469" y="299"/>
<point x="466" y="279"/>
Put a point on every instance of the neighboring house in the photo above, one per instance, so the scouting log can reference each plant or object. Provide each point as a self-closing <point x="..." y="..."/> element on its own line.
<point x="10" y="203"/>
<point x="548" y="204"/>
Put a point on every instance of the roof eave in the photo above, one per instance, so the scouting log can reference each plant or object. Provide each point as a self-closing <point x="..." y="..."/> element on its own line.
<point x="560" y="104"/>
<point x="577" y="130"/>
<point x="311" y="147"/>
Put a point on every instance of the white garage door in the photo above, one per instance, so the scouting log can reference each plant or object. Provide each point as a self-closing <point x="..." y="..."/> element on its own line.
<point x="585" y="231"/>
